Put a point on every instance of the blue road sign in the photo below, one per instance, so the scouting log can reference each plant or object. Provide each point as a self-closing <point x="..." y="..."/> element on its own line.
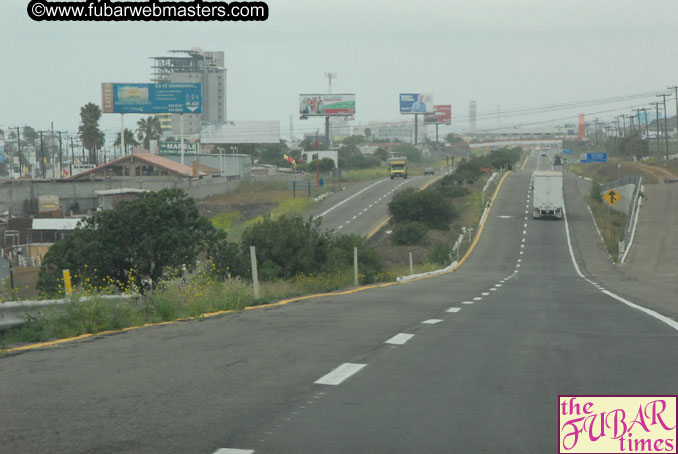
<point x="596" y="157"/>
<point x="567" y="151"/>
<point x="178" y="98"/>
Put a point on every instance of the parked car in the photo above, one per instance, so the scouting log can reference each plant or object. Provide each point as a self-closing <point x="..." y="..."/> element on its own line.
<point x="429" y="171"/>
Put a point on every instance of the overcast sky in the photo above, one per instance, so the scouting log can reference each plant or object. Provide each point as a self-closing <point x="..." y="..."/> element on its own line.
<point x="497" y="52"/>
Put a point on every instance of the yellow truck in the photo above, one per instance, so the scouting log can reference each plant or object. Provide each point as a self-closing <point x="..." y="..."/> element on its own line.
<point x="398" y="167"/>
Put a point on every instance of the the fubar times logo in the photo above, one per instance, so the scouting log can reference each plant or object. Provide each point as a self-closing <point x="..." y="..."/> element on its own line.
<point x="617" y="424"/>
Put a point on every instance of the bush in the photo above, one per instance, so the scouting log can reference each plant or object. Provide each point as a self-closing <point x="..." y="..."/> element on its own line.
<point x="409" y="233"/>
<point x="429" y="207"/>
<point x="290" y="246"/>
<point x="440" y="254"/>
<point x="597" y="192"/>
<point x="412" y="153"/>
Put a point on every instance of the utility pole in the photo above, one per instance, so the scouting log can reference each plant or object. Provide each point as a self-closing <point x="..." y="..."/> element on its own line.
<point x="630" y="117"/>
<point x="330" y="76"/>
<point x="647" y="126"/>
<point x="61" y="161"/>
<point x="656" y="128"/>
<point x="42" y="157"/>
<point x="18" y="144"/>
<point x="70" y="171"/>
<point x="618" y="126"/>
<point x="623" y="124"/>
<point x="675" y="88"/>
<point x="640" y="126"/>
<point x="666" y="124"/>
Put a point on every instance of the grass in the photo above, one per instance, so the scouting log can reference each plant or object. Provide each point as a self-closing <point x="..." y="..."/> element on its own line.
<point x="611" y="225"/>
<point x="372" y="173"/>
<point x="202" y="295"/>
<point x="286" y="207"/>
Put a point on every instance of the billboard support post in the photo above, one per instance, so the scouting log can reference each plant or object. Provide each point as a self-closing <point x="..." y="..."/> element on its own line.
<point x="122" y="135"/>
<point x="181" y="133"/>
<point x="436" y="133"/>
<point x="327" y="131"/>
<point x="416" y="127"/>
<point x="317" y="160"/>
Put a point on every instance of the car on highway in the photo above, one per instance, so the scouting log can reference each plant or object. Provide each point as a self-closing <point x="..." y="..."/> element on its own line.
<point x="429" y="171"/>
<point x="544" y="154"/>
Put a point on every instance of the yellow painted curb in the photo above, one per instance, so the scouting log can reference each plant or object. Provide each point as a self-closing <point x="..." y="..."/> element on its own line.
<point x="282" y="302"/>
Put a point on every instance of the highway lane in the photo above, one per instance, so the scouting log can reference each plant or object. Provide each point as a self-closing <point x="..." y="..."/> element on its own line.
<point x="483" y="378"/>
<point x="361" y="209"/>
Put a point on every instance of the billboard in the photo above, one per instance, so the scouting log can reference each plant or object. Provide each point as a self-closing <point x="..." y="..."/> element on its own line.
<point x="326" y="105"/>
<point x="175" y="147"/>
<point x="442" y="114"/>
<point x="177" y="98"/>
<point x="234" y="132"/>
<point x="413" y="103"/>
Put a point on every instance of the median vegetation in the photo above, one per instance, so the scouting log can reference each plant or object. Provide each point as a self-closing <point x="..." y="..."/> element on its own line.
<point x="176" y="264"/>
<point x="436" y="224"/>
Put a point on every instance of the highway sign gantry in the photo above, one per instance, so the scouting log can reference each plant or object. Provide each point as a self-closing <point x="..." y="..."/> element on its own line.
<point x="612" y="197"/>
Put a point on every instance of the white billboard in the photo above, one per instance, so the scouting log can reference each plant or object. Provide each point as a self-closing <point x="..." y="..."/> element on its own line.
<point x="241" y="132"/>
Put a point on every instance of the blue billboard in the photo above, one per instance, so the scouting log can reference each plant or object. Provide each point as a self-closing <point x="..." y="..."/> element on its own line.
<point x="567" y="150"/>
<point x="177" y="98"/>
<point x="413" y="103"/>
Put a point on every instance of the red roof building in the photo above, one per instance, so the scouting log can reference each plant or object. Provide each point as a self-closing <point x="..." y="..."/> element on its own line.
<point x="134" y="166"/>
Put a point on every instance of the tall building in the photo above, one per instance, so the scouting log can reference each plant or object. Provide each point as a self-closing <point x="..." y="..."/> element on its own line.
<point x="194" y="66"/>
<point x="472" y="115"/>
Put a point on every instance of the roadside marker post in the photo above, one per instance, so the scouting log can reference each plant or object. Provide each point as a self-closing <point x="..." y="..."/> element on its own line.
<point x="411" y="266"/>
<point x="67" y="282"/>
<point x="255" y="276"/>
<point x="355" y="266"/>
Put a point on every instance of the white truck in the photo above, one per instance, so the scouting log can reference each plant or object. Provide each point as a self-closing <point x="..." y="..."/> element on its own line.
<point x="547" y="194"/>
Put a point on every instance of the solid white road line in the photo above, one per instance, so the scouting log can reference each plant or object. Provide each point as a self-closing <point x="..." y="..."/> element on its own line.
<point x="400" y="339"/>
<point x="432" y="321"/>
<point x="341" y="373"/>
<point x="347" y="199"/>
<point x="233" y="451"/>
<point x="672" y="323"/>
<point x="454" y="309"/>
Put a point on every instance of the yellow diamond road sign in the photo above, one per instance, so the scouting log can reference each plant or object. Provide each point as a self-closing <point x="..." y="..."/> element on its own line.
<point x="612" y="197"/>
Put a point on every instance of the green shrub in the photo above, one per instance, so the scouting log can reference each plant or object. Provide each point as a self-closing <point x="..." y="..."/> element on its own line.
<point x="429" y="207"/>
<point x="597" y="192"/>
<point x="440" y="254"/>
<point x="410" y="232"/>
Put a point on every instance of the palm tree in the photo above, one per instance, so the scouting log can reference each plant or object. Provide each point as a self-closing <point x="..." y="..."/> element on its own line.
<point x="90" y="134"/>
<point x="149" y="129"/>
<point x="129" y="140"/>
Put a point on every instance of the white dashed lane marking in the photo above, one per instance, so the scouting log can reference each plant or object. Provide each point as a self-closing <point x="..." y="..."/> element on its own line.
<point x="338" y="375"/>
<point x="454" y="309"/>
<point x="400" y="339"/>
<point x="467" y="302"/>
<point x="432" y="321"/>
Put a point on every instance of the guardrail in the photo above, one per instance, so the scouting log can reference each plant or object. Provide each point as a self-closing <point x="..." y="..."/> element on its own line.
<point x="14" y="313"/>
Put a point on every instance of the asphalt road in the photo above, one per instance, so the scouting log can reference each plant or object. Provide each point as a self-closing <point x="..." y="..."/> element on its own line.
<point x="475" y="362"/>
<point x="363" y="207"/>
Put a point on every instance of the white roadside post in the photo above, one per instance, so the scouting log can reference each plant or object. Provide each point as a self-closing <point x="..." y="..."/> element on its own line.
<point x="355" y="266"/>
<point x="255" y="276"/>
<point x="411" y="265"/>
